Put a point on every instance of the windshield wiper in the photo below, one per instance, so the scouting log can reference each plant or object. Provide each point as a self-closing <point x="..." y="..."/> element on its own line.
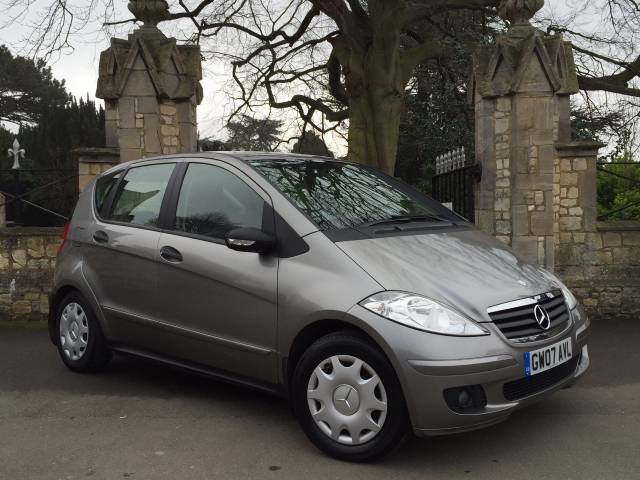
<point x="407" y="219"/>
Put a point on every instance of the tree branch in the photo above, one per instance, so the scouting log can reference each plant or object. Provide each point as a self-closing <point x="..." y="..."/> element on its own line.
<point x="606" y="84"/>
<point x="428" y="50"/>
<point x="286" y="38"/>
<point x="299" y="101"/>
<point x="336" y="87"/>
<point x="632" y="68"/>
<point x="192" y="13"/>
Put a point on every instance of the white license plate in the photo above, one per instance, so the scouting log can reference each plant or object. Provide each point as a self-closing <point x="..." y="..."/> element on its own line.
<point x="546" y="358"/>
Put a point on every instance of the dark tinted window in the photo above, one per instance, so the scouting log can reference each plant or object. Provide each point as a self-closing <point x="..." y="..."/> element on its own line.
<point x="214" y="201"/>
<point x="104" y="186"/>
<point x="140" y="197"/>
<point x="339" y="195"/>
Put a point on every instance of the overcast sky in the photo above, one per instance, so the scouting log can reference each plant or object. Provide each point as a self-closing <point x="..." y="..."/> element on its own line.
<point x="79" y="68"/>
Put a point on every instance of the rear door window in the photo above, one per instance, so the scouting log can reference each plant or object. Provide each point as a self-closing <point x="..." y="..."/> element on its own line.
<point x="140" y="195"/>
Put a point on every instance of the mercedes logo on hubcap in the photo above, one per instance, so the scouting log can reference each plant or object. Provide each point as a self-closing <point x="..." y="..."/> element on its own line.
<point x="346" y="399"/>
<point x="74" y="331"/>
<point x="542" y="317"/>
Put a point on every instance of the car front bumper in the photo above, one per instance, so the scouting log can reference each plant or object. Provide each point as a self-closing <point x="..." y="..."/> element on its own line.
<point x="498" y="408"/>
<point x="428" y="365"/>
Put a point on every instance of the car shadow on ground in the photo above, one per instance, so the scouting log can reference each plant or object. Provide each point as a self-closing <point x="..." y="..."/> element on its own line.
<point x="128" y="376"/>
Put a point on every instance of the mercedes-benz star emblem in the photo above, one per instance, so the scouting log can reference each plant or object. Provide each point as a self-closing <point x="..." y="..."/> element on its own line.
<point x="542" y="317"/>
<point x="346" y="399"/>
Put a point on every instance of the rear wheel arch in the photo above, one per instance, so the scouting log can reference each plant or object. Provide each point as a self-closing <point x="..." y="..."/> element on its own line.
<point x="58" y="295"/>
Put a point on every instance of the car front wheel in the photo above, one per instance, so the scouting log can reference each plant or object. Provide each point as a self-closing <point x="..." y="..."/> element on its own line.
<point x="348" y="399"/>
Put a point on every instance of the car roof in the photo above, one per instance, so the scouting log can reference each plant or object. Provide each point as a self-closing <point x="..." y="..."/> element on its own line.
<point x="242" y="156"/>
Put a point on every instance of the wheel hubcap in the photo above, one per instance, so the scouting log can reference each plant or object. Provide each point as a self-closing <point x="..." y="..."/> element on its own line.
<point x="74" y="331"/>
<point x="347" y="399"/>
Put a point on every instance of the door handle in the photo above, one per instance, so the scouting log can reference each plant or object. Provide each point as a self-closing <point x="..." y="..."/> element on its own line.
<point x="101" y="236"/>
<point x="170" y="254"/>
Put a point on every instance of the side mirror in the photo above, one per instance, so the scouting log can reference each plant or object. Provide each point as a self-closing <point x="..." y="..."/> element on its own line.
<point x="250" y="240"/>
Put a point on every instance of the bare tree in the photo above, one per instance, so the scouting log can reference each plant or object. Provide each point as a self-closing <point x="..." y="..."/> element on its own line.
<point x="338" y="60"/>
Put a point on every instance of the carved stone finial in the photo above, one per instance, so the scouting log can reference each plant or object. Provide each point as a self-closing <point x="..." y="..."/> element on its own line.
<point x="150" y="12"/>
<point x="519" y="12"/>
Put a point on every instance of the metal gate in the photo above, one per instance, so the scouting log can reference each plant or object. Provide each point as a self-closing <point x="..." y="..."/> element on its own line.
<point x="38" y="197"/>
<point x="455" y="181"/>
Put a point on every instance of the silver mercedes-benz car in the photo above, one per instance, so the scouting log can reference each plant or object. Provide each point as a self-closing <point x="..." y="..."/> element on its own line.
<point x="374" y="309"/>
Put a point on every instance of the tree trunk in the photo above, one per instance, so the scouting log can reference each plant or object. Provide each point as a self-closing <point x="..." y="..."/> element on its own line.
<point x="374" y="128"/>
<point x="375" y="82"/>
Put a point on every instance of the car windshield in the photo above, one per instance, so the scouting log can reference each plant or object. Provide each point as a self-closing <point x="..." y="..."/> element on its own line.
<point x="338" y="195"/>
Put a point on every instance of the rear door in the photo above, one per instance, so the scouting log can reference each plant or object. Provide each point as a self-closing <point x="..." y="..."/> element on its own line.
<point x="120" y="258"/>
<point x="218" y="304"/>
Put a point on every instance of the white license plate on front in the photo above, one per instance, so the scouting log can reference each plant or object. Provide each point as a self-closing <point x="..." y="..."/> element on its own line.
<point x="546" y="358"/>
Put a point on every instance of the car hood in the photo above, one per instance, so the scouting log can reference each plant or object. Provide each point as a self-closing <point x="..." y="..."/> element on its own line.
<point x="463" y="268"/>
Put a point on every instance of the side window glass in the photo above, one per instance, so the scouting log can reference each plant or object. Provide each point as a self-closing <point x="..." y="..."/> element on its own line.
<point x="104" y="186"/>
<point x="139" y="199"/>
<point x="214" y="201"/>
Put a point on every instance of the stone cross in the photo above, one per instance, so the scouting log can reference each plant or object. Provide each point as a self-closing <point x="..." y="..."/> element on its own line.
<point x="519" y="12"/>
<point x="17" y="154"/>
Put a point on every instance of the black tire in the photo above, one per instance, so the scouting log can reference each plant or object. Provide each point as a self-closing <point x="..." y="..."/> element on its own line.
<point x="395" y="429"/>
<point x="96" y="353"/>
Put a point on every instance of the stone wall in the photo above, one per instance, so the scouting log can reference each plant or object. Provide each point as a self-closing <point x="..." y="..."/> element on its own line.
<point x="575" y="190"/>
<point x="27" y="260"/>
<point x="603" y="268"/>
<point x="538" y="191"/>
<point x="92" y="162"/>
<point x="3" y="211"/>
<point x="600" y="261"/>
<point x="522" y="86"/>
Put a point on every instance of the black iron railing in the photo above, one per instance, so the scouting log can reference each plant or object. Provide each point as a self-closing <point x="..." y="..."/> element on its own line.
<point x="38" y="197"/>
<point x="455" y="181"/>
<point x="457" y="187"/>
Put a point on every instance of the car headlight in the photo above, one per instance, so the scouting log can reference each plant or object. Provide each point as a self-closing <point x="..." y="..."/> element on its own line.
<point x="421" y="313"/>
<point x="571" y="300"/>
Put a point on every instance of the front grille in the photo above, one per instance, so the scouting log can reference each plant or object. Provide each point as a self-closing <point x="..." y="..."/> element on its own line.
<point x="529" y="385"/>
<point x="516" y="320"/>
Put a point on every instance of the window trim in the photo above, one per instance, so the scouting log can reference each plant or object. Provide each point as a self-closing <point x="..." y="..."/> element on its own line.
<point x="107" y="203"/>
<point x="268" y="212"/>
<point x="119" y="185"/>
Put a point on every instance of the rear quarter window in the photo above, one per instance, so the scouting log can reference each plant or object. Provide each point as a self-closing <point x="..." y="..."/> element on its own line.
<point x="104" y="186"/>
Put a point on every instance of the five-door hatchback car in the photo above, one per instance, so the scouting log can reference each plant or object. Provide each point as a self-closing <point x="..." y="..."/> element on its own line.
<point x="375" y="310"/>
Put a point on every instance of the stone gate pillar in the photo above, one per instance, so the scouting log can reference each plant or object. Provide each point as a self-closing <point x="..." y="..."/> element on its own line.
<point x="521" y="88"/>
<point x="151" y="88"/>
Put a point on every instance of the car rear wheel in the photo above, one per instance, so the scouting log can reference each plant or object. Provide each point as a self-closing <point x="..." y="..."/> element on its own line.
<point x="348" y="399"/>
<point x="81" y="343"/>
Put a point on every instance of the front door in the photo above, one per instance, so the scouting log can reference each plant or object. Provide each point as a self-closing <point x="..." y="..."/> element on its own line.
<point x="218" y="305"/>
